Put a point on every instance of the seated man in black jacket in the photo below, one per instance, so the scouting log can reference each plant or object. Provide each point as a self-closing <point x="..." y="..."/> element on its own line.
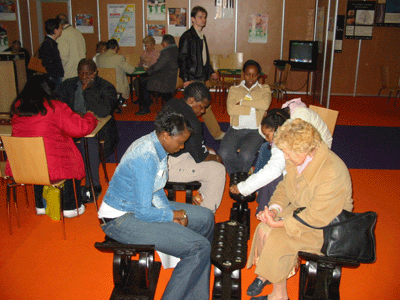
<point x="162" y="75"/>
<point x="197" y="162"/>
<point x="88" y="92"/>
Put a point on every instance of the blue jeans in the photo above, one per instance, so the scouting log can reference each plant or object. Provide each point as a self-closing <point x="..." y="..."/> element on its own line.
<point x="248" y="141"/>
<point x="264" y="154"/>
<point x="191" y="277"/>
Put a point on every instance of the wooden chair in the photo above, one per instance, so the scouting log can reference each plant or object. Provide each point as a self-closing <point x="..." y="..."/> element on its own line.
<point x="28" y="162"/>
<point x="109" y="74"/>
<point x="389" y="83"/>
<point x="216" y="84"/>
<point x="329" y="116"/>
<point x="280" y="87"/>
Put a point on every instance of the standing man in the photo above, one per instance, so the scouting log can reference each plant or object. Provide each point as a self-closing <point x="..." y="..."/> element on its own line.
<point x="49" y="53"/>
<point x="72" y="47"/>
<point x="162" y="75"/>
<point x="194" y="62"/>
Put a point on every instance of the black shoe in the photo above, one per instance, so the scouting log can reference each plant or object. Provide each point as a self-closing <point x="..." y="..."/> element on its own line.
<point x="143" y="112"/>
<point x="87" y="194"/>
<point x="256" y="287"/>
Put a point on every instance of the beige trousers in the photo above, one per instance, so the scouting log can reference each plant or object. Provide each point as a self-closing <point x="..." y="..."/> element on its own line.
<point x="210" y="174"/>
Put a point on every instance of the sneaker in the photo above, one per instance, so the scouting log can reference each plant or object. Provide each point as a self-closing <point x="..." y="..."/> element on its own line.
<point x="87" y="195"/>
<point x="124" y="105"/>
<point x="73" y="212"/>
<point x="40" y="211"/>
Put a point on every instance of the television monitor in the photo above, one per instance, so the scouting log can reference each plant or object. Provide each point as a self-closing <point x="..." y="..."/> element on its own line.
<point x="303" y="54"/>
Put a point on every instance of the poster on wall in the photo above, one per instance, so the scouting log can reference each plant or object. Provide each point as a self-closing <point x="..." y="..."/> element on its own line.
<point x="176" y="21"/>
<point x="258" y="28"/>
<point x="121" y="24"/>
<point x="339" y="33"/>
<point x="360" y="19"/>
<point x="156" y="31"/>
<point x="156" y="10"/>
<point x="387" y="13"/>
<point x="84" y="23"/>
<point x="224" y="9"/>
<point x="7" y="10"/>
<point x="3" y="38"/>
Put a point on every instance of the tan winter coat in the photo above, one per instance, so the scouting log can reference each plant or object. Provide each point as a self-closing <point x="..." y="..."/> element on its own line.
<point x="324" y="189"/>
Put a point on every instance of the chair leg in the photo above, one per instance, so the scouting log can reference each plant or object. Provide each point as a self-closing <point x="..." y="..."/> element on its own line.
<point x="9" y="207"/>
<point x="76" y="196"/>
<point x="116" y="156"/>
<point x="390" y="94"/>
<point x="15" y="203"/>
<point x="380" y="90"/>
<point x="61" y="189"/>
<point x="103" y="160"/>
<point x="26" y="195"/>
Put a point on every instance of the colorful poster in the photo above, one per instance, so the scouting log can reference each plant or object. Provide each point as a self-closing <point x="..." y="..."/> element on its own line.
<point x="387" y="13"/>
<point x="176" y="21"/>
<point x="121" y="24"/>
<point x="7" y="10"/>
<point x="3" y="38"/>
<point x="360" y="19"/>
<point x="258" y="29"/>
<point x="156" y="31"/>
<point x="156" y="10"/>
<point x="84" y="23"/>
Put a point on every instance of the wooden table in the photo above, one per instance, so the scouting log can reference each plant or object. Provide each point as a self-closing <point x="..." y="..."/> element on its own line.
<point x="282" y="68"/>
<point x="136" y="74"/>
<point x="100" y="125"/>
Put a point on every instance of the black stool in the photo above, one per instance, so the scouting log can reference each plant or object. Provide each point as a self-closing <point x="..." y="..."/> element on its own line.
<point x="133" y="279"/>
<point x="320" y="276"/>
<point x="188" y="187"/>
<point x="229" y="256"/>
<point x="240" y="210"/>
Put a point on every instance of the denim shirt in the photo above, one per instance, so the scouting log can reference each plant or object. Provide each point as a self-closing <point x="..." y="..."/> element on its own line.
<point x="138" y="182"/>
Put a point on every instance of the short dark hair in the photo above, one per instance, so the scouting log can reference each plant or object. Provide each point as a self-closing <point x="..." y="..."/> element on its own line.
<point x="275" y="118"/>
<point x="50" y="25"/>
<point x="170" y="121"/>
<point x="251" y="62"/>
<point x="112" y="44"/>
<point x="63" y="19"/>
<point x="101" y="45"/>
<point x="169" y="39"/>
<point x="198" y="91"/>
<point x="87" y="62"/>
<point x="196" y="9"/>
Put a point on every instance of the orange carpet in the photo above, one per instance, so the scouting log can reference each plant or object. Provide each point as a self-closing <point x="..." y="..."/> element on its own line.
<point x="36" y="263"/>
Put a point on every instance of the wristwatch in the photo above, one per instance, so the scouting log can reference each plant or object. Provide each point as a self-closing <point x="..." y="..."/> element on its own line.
<point x="184" y="215"/>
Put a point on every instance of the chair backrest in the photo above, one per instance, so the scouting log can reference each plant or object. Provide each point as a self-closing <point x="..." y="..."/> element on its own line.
<point x="108" y="74"/>
<point x="329" y="116"/>
<point x="237" y="59"/>
<point x="214" y="61"/>
<point x="27" y="158"/>
<point x="285" y="74"/>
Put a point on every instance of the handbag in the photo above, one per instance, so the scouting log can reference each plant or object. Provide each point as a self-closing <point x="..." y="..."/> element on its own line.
<point x="349" y="236"/>
<point x="35" y="64"/>
<point x="52" y="197"/>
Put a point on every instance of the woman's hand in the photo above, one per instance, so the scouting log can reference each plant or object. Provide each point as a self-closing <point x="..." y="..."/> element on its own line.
<point x="268" y="216"/>
<point x="180" y="217"/>
<point x="234" y="189"/>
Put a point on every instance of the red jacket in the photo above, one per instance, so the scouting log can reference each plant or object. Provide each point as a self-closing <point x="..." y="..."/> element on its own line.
<point x="57" y="128"/>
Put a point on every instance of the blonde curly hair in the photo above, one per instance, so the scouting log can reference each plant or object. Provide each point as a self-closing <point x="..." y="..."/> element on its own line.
<point x="297" y="135"/>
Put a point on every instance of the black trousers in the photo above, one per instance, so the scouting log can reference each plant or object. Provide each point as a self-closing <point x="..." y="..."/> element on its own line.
<point x="69" y="195"/>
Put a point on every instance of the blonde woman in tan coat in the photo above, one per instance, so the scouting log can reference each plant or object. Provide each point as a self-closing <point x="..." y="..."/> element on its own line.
<point x="318" y="180"/>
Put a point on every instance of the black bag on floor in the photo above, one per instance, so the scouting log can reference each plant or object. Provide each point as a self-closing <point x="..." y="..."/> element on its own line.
<point x="349" y="236"/>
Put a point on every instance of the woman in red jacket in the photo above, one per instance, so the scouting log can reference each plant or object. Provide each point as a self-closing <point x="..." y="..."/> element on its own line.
<point x="35" y="113"/>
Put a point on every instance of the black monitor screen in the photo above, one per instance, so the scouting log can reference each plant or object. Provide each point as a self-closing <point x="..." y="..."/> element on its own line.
<point x="301" y="52"/>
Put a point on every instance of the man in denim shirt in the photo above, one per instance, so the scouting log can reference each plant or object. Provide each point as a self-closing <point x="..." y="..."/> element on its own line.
<point x="135" y="209"/>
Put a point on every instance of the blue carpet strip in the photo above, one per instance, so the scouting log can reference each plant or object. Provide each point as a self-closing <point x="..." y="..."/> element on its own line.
<point x="360" y="147"/>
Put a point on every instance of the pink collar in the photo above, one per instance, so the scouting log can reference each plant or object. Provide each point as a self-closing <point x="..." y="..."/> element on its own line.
<point x="301" y="168"/>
